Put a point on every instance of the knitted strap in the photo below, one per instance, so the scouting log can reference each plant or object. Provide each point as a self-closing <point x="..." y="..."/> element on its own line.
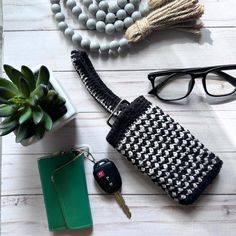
<point x="93" y="82"/>
<point x="152" y="141"/>
<point x="164" y="151"/>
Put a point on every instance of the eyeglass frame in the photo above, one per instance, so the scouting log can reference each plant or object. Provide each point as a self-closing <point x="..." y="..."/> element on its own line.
<point x="198" y="72"/>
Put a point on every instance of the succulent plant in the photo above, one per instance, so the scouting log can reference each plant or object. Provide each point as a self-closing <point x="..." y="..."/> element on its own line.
<point x="28" y="103"/>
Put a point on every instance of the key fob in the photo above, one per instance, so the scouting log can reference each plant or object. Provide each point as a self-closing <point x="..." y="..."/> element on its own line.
<point x="107" y="176"/>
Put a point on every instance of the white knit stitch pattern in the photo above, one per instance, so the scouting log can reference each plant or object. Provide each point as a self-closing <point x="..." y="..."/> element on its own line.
<point x="166" y="152"/>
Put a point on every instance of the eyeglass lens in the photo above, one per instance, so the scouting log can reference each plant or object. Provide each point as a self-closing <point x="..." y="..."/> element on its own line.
<point x="217" y="83"/>
<point x="175" y="87"/>
<point x="178" y="85"/>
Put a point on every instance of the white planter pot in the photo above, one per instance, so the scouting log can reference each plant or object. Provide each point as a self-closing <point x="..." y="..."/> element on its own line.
<point x="70" y="114"/>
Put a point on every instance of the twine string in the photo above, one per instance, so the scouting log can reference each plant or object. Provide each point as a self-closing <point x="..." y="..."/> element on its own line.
<point x="168" y="16"/>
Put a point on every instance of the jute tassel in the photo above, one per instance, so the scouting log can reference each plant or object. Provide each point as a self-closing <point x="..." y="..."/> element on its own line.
<point x="174" y="15"/>
<point x="157" y="3"/>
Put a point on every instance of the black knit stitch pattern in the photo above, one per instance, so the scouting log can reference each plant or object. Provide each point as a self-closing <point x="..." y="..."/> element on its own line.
<point x="165" y="151"/>
<point x="92" y="81"/>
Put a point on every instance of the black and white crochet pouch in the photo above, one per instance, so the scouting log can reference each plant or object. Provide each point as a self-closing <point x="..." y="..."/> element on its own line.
<point x="151" y="140"/>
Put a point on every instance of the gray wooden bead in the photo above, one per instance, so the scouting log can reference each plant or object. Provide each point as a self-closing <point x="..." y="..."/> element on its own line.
<point x="122" y="3"/>
<point x="55" y="8"/>
<point x="119" y="25"/>
<point x="83" y="18"/>
<point x="54" y="1"/>
<point x="123" y="43"/>
<point x="128" y="21"/>
<point x="85" y="43"/>
<point x="113" y="7"/>
<point x="110" y="17"/>
<point x="87" y="2"/>
<point x="144" y="10"/>
<point x="103" y="6"/>
<point x="93" y="8"/>
<point x="91" y="24"/>
<point x="76" y="38"/>
<point x="76" y="10"/>
<point x="136" y="15"/>
<point x="100" y="26"/>
<point x="59" y="17"/>
<point x="100" y="15"/>
<point x="69" y="33"/>
<point x="104" y="48"/>
<point x="62" y="26"/>
<point x="94" y="46"/>
<point x="129" y="8"/>
<point x="109" y="29"/>
<point x="135" y="2"/>
<point x="121" y="14"/>
<point x="70" y="4"/>
<point x="114" y="45"/>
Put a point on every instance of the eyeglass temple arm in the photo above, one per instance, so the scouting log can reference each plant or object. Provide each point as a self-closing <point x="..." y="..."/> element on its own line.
<point x="154" y="89"/>
<point x="169" y="72"/>
<point x="228" y="77"/>
<point x="198" y="69"/>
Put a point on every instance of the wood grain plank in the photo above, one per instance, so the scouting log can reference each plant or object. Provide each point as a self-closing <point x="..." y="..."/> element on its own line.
<point x="36" y="15"/>
<point x="129" y="85"/>
<point x="162" y="50"/>
<point x="31" y="38"/>
<point x="20" y="176"/>
<point x="216" y="129"/>
<point x="211" y="215"/>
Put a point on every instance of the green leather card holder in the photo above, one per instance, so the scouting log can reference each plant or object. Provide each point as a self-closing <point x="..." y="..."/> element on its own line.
<point x="65" y="191"/>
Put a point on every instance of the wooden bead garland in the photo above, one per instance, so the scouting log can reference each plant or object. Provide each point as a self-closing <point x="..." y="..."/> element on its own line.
<point x="108" y="18"/>
<point x="122" y="10"/>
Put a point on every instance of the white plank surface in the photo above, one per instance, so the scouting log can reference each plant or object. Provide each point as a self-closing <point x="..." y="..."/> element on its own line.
<point x="211" y="215"/>
<point x="36" y="15"/>
<point x="131" y="85"/>
<point x="161" y="50"/>
<point x="31" y="38"/>
<point x="20" y="176"/>
<point x="216" y="129"/>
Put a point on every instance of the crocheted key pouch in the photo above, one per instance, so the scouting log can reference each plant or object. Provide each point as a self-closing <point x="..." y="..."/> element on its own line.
<point x="152" y="141"/>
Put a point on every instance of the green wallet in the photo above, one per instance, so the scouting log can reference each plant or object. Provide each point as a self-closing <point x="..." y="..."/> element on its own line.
<point x="65" y="191"/>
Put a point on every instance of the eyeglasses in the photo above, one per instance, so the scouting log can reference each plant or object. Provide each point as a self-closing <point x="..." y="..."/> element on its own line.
<point x="176" y="84"/>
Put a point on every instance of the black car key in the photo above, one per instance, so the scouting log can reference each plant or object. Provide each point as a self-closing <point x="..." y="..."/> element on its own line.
<point x="108" y="178"/>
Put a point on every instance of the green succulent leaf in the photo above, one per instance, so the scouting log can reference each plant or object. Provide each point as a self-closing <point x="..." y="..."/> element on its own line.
<point x="9" y="122"/>
<point x="3" y="101"/>
<point x="38" y="114"/>
<point x="6" y="94"/>
<point x="61" y="101"/>
<point x="40" y="91"/>
<point x="47" y="121"/>
<point x="57" y="103"/>
<point x="29" y="76"/>
<point x="9" y="85"/>
<point x="40" y="131"/>
<point x="33" y="100"/>
<point x="8" y="129"/>
<point x="24" y="87"/>
<point x="7" y="110"/>
<point x="22" y="132"/>
<point x="52" y="94"/>
<point x="8" y="69"/>
<point x="12" y="73"/>
<point x="43" y="76"/>
<point x="27" y="115"/>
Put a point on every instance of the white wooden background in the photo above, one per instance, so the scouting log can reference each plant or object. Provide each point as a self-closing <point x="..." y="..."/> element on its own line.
<point x="31" y="37"/>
